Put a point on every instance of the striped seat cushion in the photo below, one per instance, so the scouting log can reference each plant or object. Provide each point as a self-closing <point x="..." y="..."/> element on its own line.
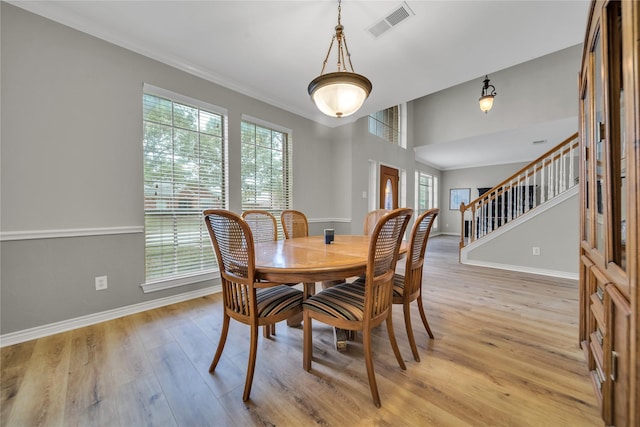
<point x="343" y="301"/>
<point x="277" y="299"/>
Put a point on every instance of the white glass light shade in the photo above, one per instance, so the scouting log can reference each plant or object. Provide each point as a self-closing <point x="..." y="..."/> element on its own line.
<point x="339" y="94"/>
<point x="486" y="102"/>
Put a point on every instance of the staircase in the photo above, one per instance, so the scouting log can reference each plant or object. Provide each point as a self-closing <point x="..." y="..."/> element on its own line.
<point x="541" y="182"/>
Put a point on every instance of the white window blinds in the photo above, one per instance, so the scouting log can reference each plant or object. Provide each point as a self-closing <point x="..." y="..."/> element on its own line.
<point x="184" y="173"/>
<point x="266" y="168"/>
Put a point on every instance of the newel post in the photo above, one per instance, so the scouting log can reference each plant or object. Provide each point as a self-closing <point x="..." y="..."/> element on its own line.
<point x="462" y="209"/>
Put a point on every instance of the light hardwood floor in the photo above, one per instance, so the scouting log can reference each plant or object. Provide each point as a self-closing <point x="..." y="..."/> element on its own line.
<point x="505" y="354"/>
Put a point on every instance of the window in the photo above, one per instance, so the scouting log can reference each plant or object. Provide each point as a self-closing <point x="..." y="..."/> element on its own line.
<point x="388" y="124"/>
<point x="266" y="167"/>
<point x="184" y="173"/>
<point x="427" y="189"/>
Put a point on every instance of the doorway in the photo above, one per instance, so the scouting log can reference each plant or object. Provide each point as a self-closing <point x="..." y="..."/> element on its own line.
<point x="389" y="180"/>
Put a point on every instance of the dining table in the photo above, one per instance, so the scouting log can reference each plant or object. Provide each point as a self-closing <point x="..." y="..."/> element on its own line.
<point x="309" y="260"/>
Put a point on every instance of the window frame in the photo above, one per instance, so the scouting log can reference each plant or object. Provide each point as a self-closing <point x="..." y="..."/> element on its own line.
<point x="379" y="124"/>
<point x="193" y="213"/>
<point x="433" y="192"/>
<point x="286" y="197"/>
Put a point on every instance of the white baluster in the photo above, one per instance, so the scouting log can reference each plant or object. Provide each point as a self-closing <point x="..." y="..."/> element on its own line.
<point x="555" y="177"/>
<point x="527" y="193"/>
<point x="535" y="188"/>
<point x="551" y="182"/>
<point x="543" y="184"/>
<point x="571" y="161"/>
<point x="563" y="184"/>
<point x="519" y="201"/>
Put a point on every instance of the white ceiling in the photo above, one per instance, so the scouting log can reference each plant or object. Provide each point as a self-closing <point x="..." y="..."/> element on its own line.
<point x="271" y="50"/>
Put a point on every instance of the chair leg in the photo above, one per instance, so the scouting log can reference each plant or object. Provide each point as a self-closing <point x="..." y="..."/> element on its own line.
<point x="424" y="317"/>
<point x="368" y="359"/>
<point x="253" y="350"/>
<point x="307" y="344"/>
<point x="406" y="308"/>
<point x="223" y="340"/>
<point x="394" y="343"/>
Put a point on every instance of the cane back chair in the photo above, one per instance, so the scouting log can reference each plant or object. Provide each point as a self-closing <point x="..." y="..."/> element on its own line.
<point x="407" y="287"/>
<point x="264" y="229"/>
<point x="294" y="224"/>
<point x="255" y="303"/>
<point x="362" y="306"/>
<point x="371" y="219"/>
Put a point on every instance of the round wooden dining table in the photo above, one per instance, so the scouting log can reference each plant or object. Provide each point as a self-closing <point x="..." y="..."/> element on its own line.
<point x="310" y="259"/>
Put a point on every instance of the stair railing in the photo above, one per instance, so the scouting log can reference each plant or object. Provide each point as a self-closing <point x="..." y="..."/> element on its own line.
<point x="549" y="175"/>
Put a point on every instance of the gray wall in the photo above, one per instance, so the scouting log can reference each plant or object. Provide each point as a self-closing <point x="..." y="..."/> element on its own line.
<point x="554" y="231"/>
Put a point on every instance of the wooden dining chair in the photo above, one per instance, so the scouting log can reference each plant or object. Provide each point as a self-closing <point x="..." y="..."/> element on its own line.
<point x="264" y="229"/>
<point x="407" y="287"/>
<point x="371" y="219"/>
<point x="263" y="225"/>
<point x="360" y="306"/>
<point x="294" y="224"/>
<point x="255" y="303"/>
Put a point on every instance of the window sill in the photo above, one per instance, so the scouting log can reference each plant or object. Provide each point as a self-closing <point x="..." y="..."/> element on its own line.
<point x="177" y="281"/>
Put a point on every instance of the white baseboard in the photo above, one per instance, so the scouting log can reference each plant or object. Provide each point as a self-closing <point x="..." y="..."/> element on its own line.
<point x="521" y="269"/>
<point x="91" y="319"/>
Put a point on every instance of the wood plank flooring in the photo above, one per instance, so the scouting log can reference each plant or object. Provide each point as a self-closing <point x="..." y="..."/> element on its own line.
<point x="505" y="354"/>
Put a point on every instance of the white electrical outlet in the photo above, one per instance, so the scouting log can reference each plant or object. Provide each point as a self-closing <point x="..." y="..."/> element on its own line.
<point x="101" y="283"/>
<point x="536" y="250"/>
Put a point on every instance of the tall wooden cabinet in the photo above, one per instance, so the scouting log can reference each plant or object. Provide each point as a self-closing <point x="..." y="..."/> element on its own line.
<point x="610" y="183"/>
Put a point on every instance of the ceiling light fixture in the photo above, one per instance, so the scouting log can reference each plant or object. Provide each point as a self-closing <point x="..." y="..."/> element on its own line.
<point x="486" y="98"/>
<point x="341" y="93"/>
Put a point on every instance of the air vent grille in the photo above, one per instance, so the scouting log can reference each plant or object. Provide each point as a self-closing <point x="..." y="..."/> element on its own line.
<point x="395" y="17"/>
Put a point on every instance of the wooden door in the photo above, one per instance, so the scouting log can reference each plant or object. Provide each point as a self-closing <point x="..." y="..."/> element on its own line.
<point x="389" y="179"/>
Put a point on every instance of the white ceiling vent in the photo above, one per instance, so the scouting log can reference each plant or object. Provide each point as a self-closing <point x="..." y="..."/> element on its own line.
<point x="393" y="18"/>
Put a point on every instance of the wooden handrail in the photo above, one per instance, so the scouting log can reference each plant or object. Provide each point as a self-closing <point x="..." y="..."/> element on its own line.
<point x="515" y="195"/>
<point x="542" y="157"/>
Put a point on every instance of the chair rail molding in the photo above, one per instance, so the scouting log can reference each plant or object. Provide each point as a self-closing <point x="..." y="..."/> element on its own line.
<point x="6" y="236"/>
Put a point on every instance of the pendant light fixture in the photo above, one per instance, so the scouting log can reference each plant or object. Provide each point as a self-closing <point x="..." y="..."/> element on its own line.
<point x="341" y="93"/>
<point x="486" y="97"/>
